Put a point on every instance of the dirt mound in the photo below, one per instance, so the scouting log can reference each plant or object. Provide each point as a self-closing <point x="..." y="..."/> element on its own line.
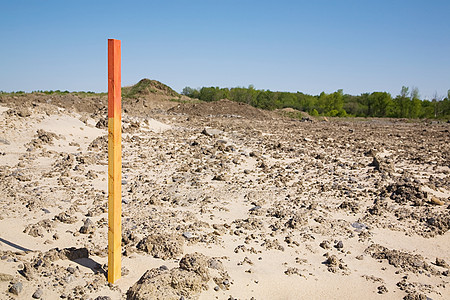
<point x="144" y="96"/>
<point x="222" y="108"/>
<point x="406" y="190"/>
<point x="296" y="114"/>
<point x="149" y="95"/>
<point x="79" y="102"/>
<point x="399" y="259"/>
<point x="147" y="87"/>
<point x="162" y="245"/>
<point x="161" y="283"/>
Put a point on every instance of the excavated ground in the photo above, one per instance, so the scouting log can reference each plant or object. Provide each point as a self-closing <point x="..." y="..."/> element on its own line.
<point x="221" y="200"/>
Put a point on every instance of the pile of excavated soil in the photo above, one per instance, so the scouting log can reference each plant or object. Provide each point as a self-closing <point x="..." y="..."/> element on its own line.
<point x="147" y="87"/>
<point x="146" y="96"/>
<point x="222" y="108"/>
<point x="72" y="102"/>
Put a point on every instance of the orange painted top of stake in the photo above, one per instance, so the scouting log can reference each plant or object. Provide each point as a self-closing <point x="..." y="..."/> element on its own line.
<point x="114" y="92"/>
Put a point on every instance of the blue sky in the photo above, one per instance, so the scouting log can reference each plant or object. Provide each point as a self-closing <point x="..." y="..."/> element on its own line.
<point x="309" y="46"/>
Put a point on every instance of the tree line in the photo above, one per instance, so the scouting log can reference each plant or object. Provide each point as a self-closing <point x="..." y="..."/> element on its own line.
<point x="407" y="104"/>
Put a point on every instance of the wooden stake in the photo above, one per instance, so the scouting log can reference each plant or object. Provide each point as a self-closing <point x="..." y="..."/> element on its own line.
<point x="114" y="162"/>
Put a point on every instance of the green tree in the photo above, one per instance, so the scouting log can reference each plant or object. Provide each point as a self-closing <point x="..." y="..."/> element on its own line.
<point x="266" y="100"/>
<point x="401" y="103"/>
<point x="414" y="104"/>
<point x="306" y="102"/>
<point x="322" y="103"/>
<point x="285" y="99"/>
<point x="190" y="92"/>
<point x="381" y="103"/>
<point x="337" y="100"/>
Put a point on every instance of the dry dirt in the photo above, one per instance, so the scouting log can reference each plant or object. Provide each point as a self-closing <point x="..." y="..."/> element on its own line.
<point x="221" y="201"/>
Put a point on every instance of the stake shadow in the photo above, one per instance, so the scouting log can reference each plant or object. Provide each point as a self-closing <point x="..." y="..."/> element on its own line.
<point x="90" y="264"/>
<point x="11" y="244"/>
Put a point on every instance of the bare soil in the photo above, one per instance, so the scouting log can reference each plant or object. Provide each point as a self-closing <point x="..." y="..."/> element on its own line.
<point x="221" y="200"/>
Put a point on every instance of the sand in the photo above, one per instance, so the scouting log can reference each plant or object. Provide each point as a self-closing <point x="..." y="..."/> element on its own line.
<point x="275" y="208"/>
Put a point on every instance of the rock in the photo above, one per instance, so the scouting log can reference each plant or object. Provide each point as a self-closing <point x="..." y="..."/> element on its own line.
<point x="332" y="260"/>
<point x="254" y="154"/>
<point x="16" y="288"/>
<point x="441" y="263"/>
<point x="124" y="271"/>
<point x="380" y="163"/>
<point x="34" y="230"/>
<point x="88" y="227"/>
<point x="382" y="289"/>
<point x="162" y="245"/>
<point x="257" y="207"/>
<point x="45" y="136"/>
<point x="196" y="262"/>
<point x="128" y="237"/>
<point x="215" y="264"/>
<point x="28" y="271"/>
<point x="20" y="112"/>
<point x="212" y="132"/>
<point x="359" y="226"/>
<point x="6" y="277"/>
<point x="102" y="123"/>
<point x="325" y="244"/>
<point x="64" y="217"/>
<point x="339" y="245"/>
<point x="72" y="253"/>
<point x="296" y="222"/>
<point x="292" y="271"/>
<point x="406" y="190"/>
<point x="415" y="296"/>
<point x="103" y="298"/>
<point x="349" y="205"/>
<point x="37" y="294"/>
<point x="187" y="235"/>
<point x="163" y="268"/>
<point x="335" y="264"/>
<point x="221" y="177"/>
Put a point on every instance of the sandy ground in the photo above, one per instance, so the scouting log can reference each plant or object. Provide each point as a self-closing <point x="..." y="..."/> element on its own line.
<point x="222" y="201"/>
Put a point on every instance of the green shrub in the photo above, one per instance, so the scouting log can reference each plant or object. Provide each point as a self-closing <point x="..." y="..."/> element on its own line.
<point x="314" y="112"/>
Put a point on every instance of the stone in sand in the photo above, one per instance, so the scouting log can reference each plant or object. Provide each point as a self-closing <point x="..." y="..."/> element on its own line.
<point x="88" y="227"/>
<point x="38" y="294"/>
<point x="16" y="288"/>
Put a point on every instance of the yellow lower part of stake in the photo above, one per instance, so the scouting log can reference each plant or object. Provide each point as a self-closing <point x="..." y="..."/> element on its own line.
<point x="114" y="199"/>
